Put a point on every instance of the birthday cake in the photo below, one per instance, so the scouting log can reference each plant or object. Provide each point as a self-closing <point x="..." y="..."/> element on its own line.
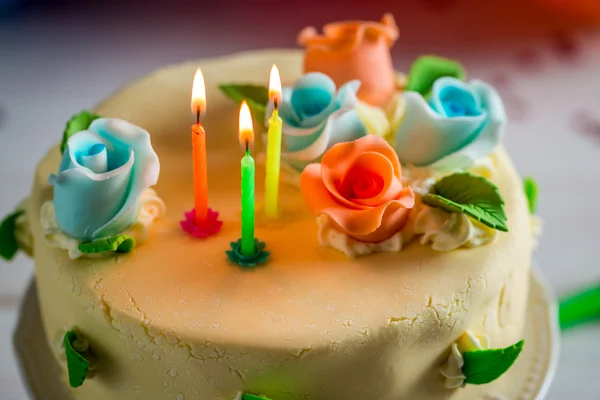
<point x="379" y="245"/>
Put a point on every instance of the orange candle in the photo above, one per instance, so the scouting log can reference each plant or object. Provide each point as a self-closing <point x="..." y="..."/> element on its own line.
<point x="199" y="149"/>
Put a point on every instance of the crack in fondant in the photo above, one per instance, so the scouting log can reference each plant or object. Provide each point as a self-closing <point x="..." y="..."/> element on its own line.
<point x="145" y="320"/>
<point x="302" y="353"/>
<point x="238" y="374"/>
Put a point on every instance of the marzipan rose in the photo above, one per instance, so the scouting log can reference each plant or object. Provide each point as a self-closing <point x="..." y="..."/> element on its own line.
<point x="460" y="123"/>
<point x="355" y="50"/>
<point x="316" y="115"/>
<point x="358" y="185"/>
<point x="102" y="176"/>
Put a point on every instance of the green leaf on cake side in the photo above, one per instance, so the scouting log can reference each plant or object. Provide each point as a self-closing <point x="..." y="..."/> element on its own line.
<point x="77" y="364"/>
<point x="472" y="195"/>
<point x="256" y="96"/>
<point x="254" y="397"/>
<point x="79" y="122"/>
<point x="531" y="192"/>
<point x="119" y="243"/>
<point x="8" y="243"/>
<point x="485" y="366"/>
<point x="427" y="69"/>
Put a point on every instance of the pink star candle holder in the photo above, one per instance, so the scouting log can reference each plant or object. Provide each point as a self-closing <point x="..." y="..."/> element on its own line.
<point x="210" y="226"/>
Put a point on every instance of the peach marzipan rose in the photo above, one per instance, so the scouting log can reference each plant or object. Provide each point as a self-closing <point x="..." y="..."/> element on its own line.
<point x="358" y="185"/>
<point x="352" y="50"/>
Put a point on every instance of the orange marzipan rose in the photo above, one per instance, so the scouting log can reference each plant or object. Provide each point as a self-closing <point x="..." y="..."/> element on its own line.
<point x="358" y="185"/>
<point x="354" y="50"/>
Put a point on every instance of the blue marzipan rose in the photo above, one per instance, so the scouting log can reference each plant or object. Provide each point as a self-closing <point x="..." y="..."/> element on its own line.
<point x="101" y="177"/>
<point x="461" y="123"/>
<point x="315" y="117"/>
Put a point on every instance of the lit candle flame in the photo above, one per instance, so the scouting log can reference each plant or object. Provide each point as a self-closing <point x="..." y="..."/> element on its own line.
<point x="275" y="85"/>
<point x="246" y="129"/>
<point x="198" y="93"/>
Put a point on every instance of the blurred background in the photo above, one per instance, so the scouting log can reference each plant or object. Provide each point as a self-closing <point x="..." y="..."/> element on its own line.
<point x="543" y="56"/>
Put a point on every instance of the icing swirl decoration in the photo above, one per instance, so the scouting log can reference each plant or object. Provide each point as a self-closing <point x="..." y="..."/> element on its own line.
<point x="316" y="116"/>
<point x="449" y="231"/>
<point x="358" y="185"/>
<point x="473" y="361"/>
<point x="101" y="178"/>
<point x="452" y="370"/>
<point x="352" y="50"/>
<point x="330" y="236"/>
<point x="462" y="122"/>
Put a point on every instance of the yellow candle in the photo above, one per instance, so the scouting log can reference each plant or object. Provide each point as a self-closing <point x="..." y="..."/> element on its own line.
<point x="273" y="148"/>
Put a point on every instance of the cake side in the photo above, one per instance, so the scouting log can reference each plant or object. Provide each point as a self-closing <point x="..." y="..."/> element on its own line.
<point x="303" y="327"/>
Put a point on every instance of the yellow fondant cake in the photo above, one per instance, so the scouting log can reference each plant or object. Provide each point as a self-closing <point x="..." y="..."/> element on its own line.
<point x="175" y="319"/>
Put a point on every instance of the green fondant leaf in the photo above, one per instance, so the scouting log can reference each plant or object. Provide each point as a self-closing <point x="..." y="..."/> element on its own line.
<point x="531" y="191"/>
<point x="77" y="365"/>
<point x="8" y="243"/>
<point x="472" y="195"/>
<point x="78" y="122"/>
<point x="254" y="397"/>
<point x="256" y="96"/>
<point x="119" y="243"/>
<point x="485" y="366"/>
<point x="427" y="69"/>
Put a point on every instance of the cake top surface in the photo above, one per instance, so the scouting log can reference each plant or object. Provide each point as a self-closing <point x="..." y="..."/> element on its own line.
<point x="178" y="281"/>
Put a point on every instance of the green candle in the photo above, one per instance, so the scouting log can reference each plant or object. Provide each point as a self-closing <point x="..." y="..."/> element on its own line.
<point x="248" y="246"/>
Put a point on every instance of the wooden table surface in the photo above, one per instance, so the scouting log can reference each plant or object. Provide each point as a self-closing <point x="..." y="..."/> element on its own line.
<point x="56" y="62"/>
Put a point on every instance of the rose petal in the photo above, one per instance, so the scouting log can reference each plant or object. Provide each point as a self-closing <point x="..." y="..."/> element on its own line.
<point x="85" y="200"/>
<point x="308" y="145"/>
<point x="425" y="136"/>
<point x="373" y="224"/>
<point x="354" y="50"/>
<point x="489" y="136"/>
<point x="378" y="166"/>
<point x="312" y="99"/>
<point x="369" y="225"/>
<point x="145" y="171"/>
<point x="340" y="158"/>
<point x="326" y="187"/>
<point x="452" y="98"/>
<point x="314" y="191"/>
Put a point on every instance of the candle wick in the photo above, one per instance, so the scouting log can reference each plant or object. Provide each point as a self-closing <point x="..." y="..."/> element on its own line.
<point x="276" y="103"/>
<point x="247" y="147"/>
<point x="197" y="115"/>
